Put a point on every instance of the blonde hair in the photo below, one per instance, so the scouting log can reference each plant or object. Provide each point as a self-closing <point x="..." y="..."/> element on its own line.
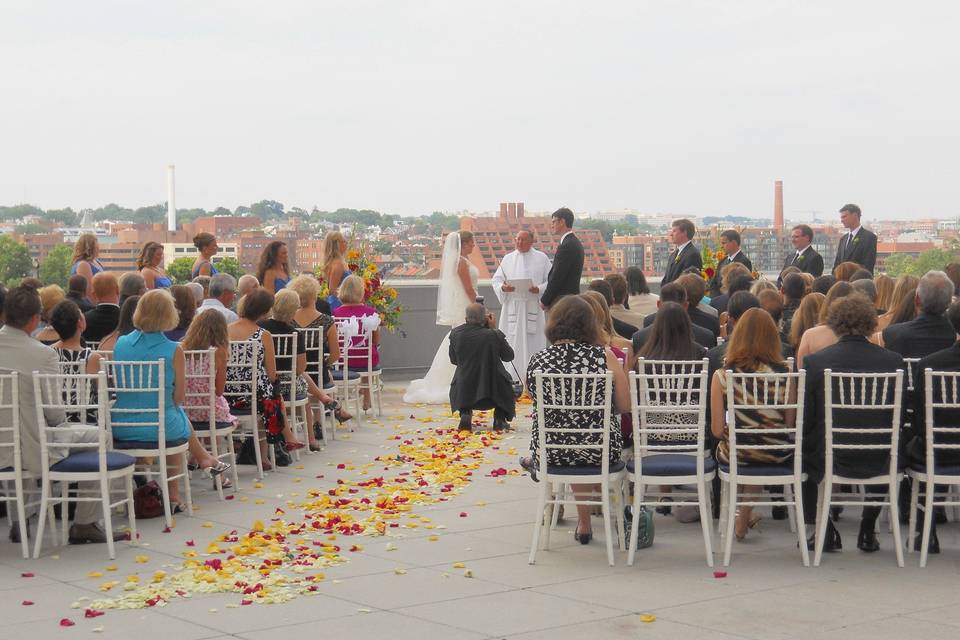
<point x="156" y="311"/>
<point x="885" y="286"/>
<point x="808" y="281"/>
<point x="50" y="296"/>
<point x="307" y="288"/>
<point x="762" y="285"/>
<point x="86" y="248"/>
<point x="285" y="304"/>
<point x="805" y="317"/>
<point x="207" y="330"/>
<point x="602" y="312"/>
<point x="147" y="254"/>
<point x="331" y="249"/>
<point x="351" y="290"/>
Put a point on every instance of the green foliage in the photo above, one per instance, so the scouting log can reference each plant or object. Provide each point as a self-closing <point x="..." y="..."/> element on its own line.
<point x="180" y="270"/>
<point x="19" y="211"/>
<point x="268" y="210"/>
<point x="66" y="216"/>
<point x="900" y="264"/>
<point x="608" y="229"/>
<point x="55" y="269"/>
<point x="30" y="229"/>
<point x="15" y="262"/>
<point x="382" y="247"/>
<point x="365" y="217"/>
<point x="229" y="265"/>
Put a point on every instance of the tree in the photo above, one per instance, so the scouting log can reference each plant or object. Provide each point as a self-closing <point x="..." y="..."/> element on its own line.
<point x="383" y="247"/>
<point x="64" y="216"/>
<point x="229" y="265"/>
<point x="30" y="229"/>
<point x="900" y="264"/>
<point x="15" y="262"/>
<point x="181" y="270"/>
<point x="55" y="269"/>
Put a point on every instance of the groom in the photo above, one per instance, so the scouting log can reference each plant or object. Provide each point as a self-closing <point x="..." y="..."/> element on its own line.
<point x="564" y="276"/>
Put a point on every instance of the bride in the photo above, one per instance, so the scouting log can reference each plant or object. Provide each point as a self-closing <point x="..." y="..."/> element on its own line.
<point x="458" y="288"/>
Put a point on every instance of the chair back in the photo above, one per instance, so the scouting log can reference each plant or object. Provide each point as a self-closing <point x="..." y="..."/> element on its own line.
<point x="200" y="377"/>
<point x="752" y="397"/>
<point x="668" y="401"/>
<point x="93" y="345"/>
<point x="355" y="337"/>
<point x="136" y="382"/>
<point x="242" y="373"/>
<point x="10" y="418"/>
<point x="941" y="394"/>
<point x="285" y="351"/>
<point x="313" y="346"/>
<point x="910" y="367"/>
<point x="82" y="398"/>
<point x="576" y="399"/>
<point x="862" y="416"/>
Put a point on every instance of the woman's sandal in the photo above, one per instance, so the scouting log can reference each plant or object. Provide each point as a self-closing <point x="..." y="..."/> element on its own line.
<point x="740" y="534"/>
<point x="217" y="469"/>
<point x="530" y="467"/>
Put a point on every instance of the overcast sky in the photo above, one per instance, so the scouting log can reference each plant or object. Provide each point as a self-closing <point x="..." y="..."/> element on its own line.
<point x="411" y="107"/>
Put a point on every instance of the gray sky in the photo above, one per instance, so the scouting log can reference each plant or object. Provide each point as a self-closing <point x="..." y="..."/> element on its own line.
<point x="410" y="107"/>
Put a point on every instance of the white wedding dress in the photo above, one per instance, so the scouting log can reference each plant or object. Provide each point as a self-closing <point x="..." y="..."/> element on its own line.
<point x="434" y="388"/>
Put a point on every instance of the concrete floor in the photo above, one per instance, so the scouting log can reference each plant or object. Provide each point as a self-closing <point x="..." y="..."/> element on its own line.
<point x="406" y="585"/>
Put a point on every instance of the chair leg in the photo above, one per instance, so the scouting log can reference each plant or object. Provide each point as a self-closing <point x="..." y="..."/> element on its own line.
<point x="215" y="452"/>
<point x="45" y="510"/>
<point x="791" y="513"/>
<point x="634" y="523"/>
<point x="607" y="529"/>
<point x="722" y="521"/>
<point x="895" y="518"/>
<point x="64" y="513"/>
<point x="165" y="491"/>
<point x="21" y="516"/>
<point x="930" y="489"/>
<point x="797" y="493"/>
<point x="186" y="482"/>
<point x="558" y="491"/>
<point x="731" y="520"/>
<point x="616" y="500"/>
<point x="706" y="521"/>
<point x="256" y="445"/>
<point x="233" y="461"/>
<point x="131" y="512"/>
<point x="555" y="509"/>
<point x="107" y="514"/>
<point x="823" y="518"/>
<point x="538" y="521"/>
<point x="912" y="516"/>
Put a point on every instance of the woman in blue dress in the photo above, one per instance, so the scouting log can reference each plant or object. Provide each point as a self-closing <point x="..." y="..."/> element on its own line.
<point x="335" y="269"/>
<point x="85" y="262"/>
<point x="274" y="270"/>
<point x="155" y="314"/>
<point x="151" y="257"/>
<point x="206" y="244"/>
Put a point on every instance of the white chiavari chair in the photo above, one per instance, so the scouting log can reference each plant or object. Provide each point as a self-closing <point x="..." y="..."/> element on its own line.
<point x="200" y="403"/>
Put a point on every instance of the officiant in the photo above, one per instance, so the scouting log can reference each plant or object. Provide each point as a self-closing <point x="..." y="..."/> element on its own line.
<point x="519" y="279"/>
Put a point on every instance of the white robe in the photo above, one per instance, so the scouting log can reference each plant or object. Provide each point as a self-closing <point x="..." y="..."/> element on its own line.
<point x="521" y="318"/>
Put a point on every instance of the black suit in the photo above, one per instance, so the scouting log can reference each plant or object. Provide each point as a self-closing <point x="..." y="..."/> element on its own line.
<point x="677" y="264"/>
<point x="481" y="381"/>
<point x="565" y="274"/>
<point x="808" y="262"/>
<point x="81" y="301"/>
<point x="700" y="320"/>
<point x="741" y="257"/>
<point x="624" y="329"/>
<point x="701" y="336"/>
<point x="944" y="360"/>
<point x="919" y="337"/>
<point x="101" y="321"/>
<point x="863" y="249"/>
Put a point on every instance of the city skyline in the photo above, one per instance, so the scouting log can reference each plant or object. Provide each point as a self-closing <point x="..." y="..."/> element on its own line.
<point x="690" y="108"/>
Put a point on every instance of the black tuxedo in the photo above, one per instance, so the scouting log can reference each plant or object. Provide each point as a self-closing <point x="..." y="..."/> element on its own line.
<point x="565" y="274"/>
<point x="81" y="301"/>
<point x="700" y="320"/>
<point x="624" y="329"/>
<point x="701" y="336"/>
<point x="944" y="360"/>
<point x="809" y="262"/>
<point x="741" y="257"/>
<point x="850" y="354"/>
<point x="863" y="249"/>
<point x="101" y="321"/>
<point x="677" y="264"/>
<point x="920" y="337"/>
<point x="481" y="381"/>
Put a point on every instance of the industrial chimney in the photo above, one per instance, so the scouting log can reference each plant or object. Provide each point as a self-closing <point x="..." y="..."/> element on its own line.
<point x="171" y="202"/>
<point x="778" y="206"/>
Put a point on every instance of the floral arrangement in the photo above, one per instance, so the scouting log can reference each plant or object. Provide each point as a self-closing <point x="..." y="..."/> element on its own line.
<point x="381" y="298"/>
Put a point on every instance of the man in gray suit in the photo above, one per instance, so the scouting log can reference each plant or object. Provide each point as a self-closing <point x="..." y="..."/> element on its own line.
<point x="23" y="354"/>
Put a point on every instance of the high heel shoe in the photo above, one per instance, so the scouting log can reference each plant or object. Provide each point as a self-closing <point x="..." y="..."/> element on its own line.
<point x="583" y="538"/>
<point x="529" y="467"/>
<point x="293" y="446"/>
<point x="215" y="470"/>
<point x="740" y="532"/>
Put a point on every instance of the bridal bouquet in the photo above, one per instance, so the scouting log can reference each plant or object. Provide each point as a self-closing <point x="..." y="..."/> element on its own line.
<point x="375" y="294"/>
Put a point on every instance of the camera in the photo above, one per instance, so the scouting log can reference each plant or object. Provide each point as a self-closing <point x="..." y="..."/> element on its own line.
<point x="478" y="299"/>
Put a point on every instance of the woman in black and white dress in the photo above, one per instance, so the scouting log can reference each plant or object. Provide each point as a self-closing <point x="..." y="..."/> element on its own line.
<point x="69" y="323"/>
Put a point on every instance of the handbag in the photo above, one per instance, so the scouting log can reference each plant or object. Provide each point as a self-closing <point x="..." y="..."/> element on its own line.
<point x="516" y="385"/>
<point x="273" y="412"/>
<point x="148" y="501"/>
<point x="645" y="528"/>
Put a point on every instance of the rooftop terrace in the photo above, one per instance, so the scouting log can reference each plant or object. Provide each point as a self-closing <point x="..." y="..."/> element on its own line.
<point x="411" y="583"/>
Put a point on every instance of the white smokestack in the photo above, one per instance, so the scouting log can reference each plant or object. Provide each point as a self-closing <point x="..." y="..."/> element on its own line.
<point x="171" y="201"/>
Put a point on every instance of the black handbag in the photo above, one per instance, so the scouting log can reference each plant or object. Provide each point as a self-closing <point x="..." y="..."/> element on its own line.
<point x="516" y="385"/>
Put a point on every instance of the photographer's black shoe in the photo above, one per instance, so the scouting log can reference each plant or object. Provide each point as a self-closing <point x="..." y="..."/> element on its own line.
<point x="499" y="424"/>
<point x="466" y="421"/>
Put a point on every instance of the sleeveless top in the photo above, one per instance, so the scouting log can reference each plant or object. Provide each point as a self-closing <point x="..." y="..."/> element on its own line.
<point x="71" y="394"/>
<point x="751" y="423"/>
<point x="279" y="284"/>
<point x="333" y="300"/>
<point x="196" y="270"/>
<point x="95" y="267"/>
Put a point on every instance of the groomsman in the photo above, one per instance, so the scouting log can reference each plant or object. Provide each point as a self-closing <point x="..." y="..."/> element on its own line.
<point x="805" y="258"/>
<point x="730" y="241"/>
<point x="567" y="269"/>
<point x="858" y="245"/>
<point x="686" y="255"/>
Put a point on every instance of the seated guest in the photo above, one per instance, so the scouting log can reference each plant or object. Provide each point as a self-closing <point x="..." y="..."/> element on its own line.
<point x="479" y="349"/>
<point x="822" y="335"/>
<point x="103" y="318"/>
<point x="822" y="284"/>
<point x="930" y="331"/>
<point x="695" y="287"/>
<point x="793" y="289"/>
<point x="352" y="306"/>
<point x="622" y="329"/>
<point x="867" y="288"/>
<point x="861" y="274"/>
<point x="69" y="324"/>
<point x="674" y="292"/>
<point x="254" y="307"/>
<point x="851" y="318"/>
<point x="884" y="284"/>
<point x="77" y="291"/>
<point x="608" y="335"/>
<point x="25" y="355"/>
<point x="198" y="291"/>
<point x="309" y="317"/>
<point x="186" y="309"/>
<point x="572" y="331"/>
<point x="246" y="284"/>
<point x="736" y="277"/>
<point x="222" y="293"/>
<point x="673" y="340"/>
<point x="124" y="325"/>
<point x="772" y="303"/>
<point x="787" y="271"/>
<point x="845" y="270"/>
<point x="204" y="283"/>
<point x="619" y="309"/>
<point x="156" y="313"/>
<point x="808" y="282"/>
<point x="754" y="348"/>
<point x="131" y="284"/>
<point x="740" y="303"/>
<point x="806" y="317"/>
<point x="762" y="285"/>
<point x="947" y="359"/>
<point x="50" y="296"/>
<point x="953" y="272"/>
<point x="640" y="299"/>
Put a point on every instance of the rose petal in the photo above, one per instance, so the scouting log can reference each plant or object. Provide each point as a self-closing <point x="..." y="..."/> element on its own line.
<point x="27" y="603"/>
<point x="719" y="574"/>
<point x="67" y="622"/>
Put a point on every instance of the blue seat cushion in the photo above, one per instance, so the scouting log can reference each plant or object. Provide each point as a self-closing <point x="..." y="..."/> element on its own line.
<point x="351" y="375"/>
<point x="89" y="461"/>
<point x="582" y="470"/>
<point x="672" y="464"/>
<point x="205" y="425"/>
<point x="240" y="411"/>
<point x="6" y="470"/>
<point x="145" y="444"/>
<point x="363" y="369"/>
<point x="940" y="470"/>
<point x="329" y="385"/>
<point x="760" y="469"/>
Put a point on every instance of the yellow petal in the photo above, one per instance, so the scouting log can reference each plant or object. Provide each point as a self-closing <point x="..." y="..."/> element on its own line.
<point x="141" y="559"/>
<point x="646" y="617"/>
<point x="94" y="574"/>
<point x="458" y="565"/>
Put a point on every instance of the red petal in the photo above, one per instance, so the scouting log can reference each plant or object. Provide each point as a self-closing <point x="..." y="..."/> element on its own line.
<point x="26" y="575"/>
<point x="66" y="622"/>
<point x="92" y="613"/>
<point x="463" y="514"/>
<point x="719" y="574"/>
<point x="27" y="603"/>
